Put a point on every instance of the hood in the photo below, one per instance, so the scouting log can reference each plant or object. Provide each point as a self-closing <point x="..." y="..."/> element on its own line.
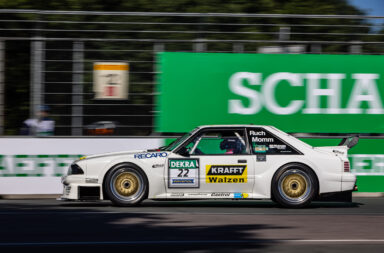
<point x="121" y="153"/>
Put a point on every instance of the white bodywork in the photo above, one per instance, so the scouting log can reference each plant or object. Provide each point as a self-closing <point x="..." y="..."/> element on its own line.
<point x="326" y="162"/>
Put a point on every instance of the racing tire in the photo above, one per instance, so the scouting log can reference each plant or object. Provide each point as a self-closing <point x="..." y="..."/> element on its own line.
<point x="294" y="186"/>
<point x="126" y="185"/>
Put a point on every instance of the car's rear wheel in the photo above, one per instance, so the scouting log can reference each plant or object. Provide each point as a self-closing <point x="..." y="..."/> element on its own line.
<point x="294" y="186"/>
<point x="126" y="185"/>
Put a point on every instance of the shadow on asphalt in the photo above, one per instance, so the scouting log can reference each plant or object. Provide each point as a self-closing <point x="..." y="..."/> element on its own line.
<point x="199" y="203"/>
<point x="42" y="229"/>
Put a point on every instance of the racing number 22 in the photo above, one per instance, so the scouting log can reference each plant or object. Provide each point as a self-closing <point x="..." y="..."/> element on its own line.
<point x="181" y="173"/>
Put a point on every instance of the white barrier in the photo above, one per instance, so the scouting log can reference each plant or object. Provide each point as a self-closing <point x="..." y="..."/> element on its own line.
<point x="35" y="165"/>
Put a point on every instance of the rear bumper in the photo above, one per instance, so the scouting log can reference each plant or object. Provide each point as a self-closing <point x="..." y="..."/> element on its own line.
<point x="348" y="182"/>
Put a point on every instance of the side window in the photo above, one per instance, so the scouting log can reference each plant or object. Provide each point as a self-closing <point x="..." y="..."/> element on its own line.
<point x="218" y="142"/>
<point x="263" y="142"/>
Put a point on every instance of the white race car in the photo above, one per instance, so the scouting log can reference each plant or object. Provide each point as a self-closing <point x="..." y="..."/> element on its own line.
<point x="217" y="162"/>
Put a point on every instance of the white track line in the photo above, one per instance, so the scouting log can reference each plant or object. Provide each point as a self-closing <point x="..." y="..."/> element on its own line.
<point x="66" y="212"/>
<point x="261" y="241"/>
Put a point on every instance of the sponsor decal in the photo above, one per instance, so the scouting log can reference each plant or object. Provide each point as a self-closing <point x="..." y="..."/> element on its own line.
<point x="276" y="146"/>
<point x="195" y="194"/>
<point x="239" y="195"/>
<point x="338" y="152"/>
<point x="261" y="158"/>
<point x="177" y="194"/>
<point x="151" y="155"/>
<point x="220" y="194"/>
<point x="183" y="173"/>
<point x="226" y="173"/>
<point x="157" y="165"/>
<point x="91" y="180"/>
<point x="183" y="181"/>
<point x="260" y="148"/>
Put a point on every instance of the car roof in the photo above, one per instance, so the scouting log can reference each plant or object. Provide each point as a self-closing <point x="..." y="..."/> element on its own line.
<point x="238" y="125"/>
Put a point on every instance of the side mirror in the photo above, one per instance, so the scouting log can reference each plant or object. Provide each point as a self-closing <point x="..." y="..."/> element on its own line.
<point x="184" y="152"/>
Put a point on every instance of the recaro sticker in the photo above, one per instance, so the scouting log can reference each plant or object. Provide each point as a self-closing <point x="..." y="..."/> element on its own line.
<point x="226" y="173"/>
<point x="183" y="173"/>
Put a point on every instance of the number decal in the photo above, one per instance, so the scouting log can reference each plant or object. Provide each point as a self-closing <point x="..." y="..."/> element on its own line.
<point x="181" y="173"/>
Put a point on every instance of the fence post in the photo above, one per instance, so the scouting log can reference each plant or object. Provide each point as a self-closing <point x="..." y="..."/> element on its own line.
<point x="238" y="48"/>
<point x="355" y="47"/>
<point x="315" y="49"/>
<point x="200" y="45"/>
<point x="2" y="64"/>
<point x="77" y="88"/>
<point x="37" y="75"/>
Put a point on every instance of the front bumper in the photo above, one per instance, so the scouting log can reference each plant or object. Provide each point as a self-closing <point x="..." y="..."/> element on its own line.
<point x="74" y="188"/>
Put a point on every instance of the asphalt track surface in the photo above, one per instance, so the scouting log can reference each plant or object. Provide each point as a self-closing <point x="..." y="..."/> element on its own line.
<point x="191" y="226"/>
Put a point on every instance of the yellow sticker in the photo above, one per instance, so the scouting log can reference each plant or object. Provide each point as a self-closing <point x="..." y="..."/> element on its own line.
<point x="226" y="173"/>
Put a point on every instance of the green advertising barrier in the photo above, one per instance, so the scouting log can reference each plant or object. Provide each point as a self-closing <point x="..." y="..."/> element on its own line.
<point x="295" y="93"/>
<point x="35" y="165"/>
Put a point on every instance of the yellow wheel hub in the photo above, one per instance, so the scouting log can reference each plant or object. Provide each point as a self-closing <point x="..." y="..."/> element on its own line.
<point x="126" y="184"/>
<point x="294" y="185"/>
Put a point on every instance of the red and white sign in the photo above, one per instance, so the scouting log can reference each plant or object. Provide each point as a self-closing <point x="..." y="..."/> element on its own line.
<point x="110" y="80"/>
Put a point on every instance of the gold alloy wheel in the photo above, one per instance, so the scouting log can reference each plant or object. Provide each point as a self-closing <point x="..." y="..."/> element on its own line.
<point x="294" y="185"/>
<point x="126" y="184"/>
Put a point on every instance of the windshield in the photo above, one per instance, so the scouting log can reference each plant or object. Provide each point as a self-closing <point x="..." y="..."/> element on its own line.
<point x="178" y="141"/>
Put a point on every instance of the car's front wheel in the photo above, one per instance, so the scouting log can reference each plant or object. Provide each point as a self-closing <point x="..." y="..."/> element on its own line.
<point x="126" y="185"/>
<point x="294" y="186"/>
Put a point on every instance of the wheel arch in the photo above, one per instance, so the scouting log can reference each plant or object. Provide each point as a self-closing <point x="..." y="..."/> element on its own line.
<point x="129" y="164"/>
<point x="293" y="164"/>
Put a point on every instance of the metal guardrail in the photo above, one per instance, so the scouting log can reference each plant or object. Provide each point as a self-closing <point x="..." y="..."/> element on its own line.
<point x="64" y="44"/>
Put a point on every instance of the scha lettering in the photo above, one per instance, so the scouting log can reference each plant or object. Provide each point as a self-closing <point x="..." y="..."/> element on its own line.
<point x="364" y="91"/>
<point x="150" y="155"/>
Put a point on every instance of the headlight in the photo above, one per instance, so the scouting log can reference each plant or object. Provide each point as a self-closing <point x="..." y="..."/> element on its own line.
<point x="75" y="169"/>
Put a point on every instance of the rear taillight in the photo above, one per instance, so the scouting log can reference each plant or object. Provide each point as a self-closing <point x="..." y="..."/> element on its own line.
<point x="347" y="168"/>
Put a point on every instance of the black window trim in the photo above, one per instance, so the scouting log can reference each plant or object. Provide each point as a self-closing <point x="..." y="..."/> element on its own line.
<point x="278" y="138"/>
<point x="247" y="144"/>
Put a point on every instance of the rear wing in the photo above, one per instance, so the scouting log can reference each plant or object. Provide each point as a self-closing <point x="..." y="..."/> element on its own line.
<point x="350" y="141"/>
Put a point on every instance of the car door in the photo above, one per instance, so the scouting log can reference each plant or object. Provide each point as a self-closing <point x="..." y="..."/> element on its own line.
<point x="225" y="165"/>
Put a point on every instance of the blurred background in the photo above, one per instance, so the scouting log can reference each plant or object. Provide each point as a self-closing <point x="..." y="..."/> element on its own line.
<point x="48" y="49"/>
<point x="91" y="69"/>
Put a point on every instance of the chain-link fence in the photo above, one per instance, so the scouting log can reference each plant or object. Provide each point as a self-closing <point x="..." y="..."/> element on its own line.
<point x="46" y="57"/>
